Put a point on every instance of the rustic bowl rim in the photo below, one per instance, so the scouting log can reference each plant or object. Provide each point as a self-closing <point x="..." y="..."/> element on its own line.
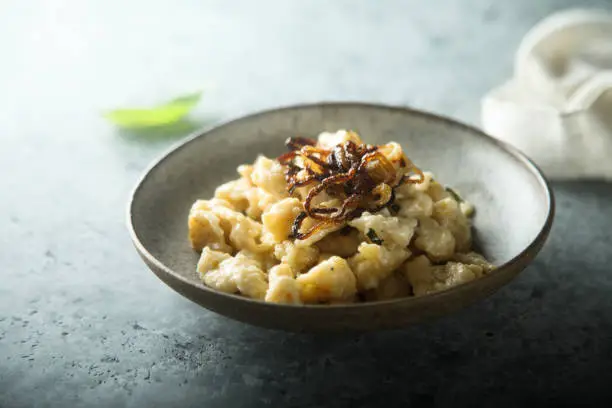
<point x="517" y="263"/>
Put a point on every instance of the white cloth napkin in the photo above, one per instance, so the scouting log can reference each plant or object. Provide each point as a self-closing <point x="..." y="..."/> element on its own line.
<point x="557" y="108"/>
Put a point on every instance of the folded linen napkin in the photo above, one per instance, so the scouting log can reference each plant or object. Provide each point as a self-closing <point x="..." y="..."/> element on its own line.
<point x="557" y="108"/>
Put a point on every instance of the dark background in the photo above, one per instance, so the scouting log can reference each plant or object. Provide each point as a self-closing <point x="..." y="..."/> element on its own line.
<point x="84" y="323"/>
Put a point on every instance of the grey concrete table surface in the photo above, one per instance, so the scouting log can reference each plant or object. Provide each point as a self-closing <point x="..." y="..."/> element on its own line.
<point x="83" y="322"/>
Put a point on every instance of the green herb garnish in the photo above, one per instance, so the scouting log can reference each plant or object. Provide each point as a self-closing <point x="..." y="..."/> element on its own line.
<point x="164" y="114"/>
<point x="455" y="195"/>
<point x="373" y="237"/>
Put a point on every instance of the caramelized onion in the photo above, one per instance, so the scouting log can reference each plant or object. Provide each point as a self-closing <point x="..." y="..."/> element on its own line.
<point x="297" y="225"/>
<point x="360" y="176"/>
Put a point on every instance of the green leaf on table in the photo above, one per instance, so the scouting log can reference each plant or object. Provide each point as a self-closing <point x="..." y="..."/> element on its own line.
<point x="164" y="114"/>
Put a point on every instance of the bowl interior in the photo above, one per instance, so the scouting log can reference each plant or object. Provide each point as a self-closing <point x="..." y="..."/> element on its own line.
<point x="511" y="198"/>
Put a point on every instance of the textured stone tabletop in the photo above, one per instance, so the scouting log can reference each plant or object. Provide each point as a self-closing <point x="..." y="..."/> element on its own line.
<point x="84" y="323"/>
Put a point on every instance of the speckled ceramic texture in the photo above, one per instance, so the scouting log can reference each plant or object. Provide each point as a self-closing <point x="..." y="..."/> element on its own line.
<point x="515" y="206"/>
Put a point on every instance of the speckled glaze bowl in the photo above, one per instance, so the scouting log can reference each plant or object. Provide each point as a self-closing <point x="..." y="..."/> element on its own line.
<point x="514" y="206"/>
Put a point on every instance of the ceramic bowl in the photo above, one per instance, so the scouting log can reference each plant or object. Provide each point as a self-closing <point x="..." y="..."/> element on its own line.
<point x="514" y="206"/>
